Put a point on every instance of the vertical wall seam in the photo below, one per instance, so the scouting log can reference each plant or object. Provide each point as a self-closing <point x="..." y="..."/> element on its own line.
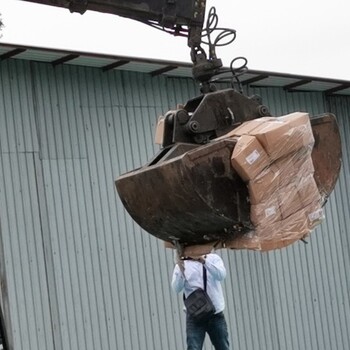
<point x="47" y="252"/>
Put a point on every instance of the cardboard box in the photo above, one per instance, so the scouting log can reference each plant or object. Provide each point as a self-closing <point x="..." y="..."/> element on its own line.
<point x="268" y="191"/>
<point x="289" y="200"/>
<point x="247" y="241"/>
<point x="295" y="118"/>
<point x="273" y="136"/>
<point x="247" y="127"/>
<point x="302" y="156"/>
<point x="283" y="233"/>
<point x="284" y="135"/>
<point x="276" y="235"/>
<point x="159" y="136"/>
<point x="276" y="139"/>
<point x="301" y="121"/>
<point x="296" y="195"/>
<point x="280" y="233"/>
<point x="264" y="185"/>
<point x="314" y="214"/>
<point x="295" y="166"/>
<point x="265" y="213"/>
<point x="308" y="190"/>
<point x="248" y="157"/>
<point x="197" y="250"/>
<point x="282" y="172"/>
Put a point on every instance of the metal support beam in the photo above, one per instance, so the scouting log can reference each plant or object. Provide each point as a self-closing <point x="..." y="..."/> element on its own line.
<point x="255" y="79"/>
<point x="114" y="65"/>
<point x="336" y="89"/>
<point x="162" y="70"/>
<point x="11" y="53"/>
<point x="291" y="87"/>
<point x="64" y="59"/>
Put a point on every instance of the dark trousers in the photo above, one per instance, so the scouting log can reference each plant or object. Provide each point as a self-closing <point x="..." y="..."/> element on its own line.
<point x="216" y="327"/>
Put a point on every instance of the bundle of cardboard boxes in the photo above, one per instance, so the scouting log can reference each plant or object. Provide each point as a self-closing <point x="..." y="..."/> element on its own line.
<point x="273" y="156"/>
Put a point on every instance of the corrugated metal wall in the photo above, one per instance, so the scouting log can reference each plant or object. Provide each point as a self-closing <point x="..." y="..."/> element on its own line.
<point x="77" y="273"/>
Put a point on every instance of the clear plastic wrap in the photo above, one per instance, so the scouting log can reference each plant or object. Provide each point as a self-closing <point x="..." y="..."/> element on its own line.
<point x="285" y="201"/>
<point x="273" y="158"/>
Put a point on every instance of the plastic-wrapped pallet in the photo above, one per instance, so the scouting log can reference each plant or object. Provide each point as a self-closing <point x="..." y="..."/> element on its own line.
<point x="273" y="157"/>
<point x="285" y="201"/>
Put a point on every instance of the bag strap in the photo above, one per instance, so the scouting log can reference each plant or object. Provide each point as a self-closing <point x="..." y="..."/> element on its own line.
<point x="205" y="278"/>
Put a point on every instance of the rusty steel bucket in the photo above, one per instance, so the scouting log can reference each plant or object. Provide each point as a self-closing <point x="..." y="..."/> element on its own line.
<point x="191" y="198"/>
<point x="192" y="195"/>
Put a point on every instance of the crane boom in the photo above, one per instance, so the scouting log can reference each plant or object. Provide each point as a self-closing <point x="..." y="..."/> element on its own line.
<point x="176" y="15"/>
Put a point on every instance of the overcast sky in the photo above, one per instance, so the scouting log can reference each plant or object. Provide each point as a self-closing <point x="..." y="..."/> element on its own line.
<point x="309" y="37"/>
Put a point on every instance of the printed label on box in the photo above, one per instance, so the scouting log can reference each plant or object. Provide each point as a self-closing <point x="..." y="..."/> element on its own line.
<point x="316" y="215"/>
<point x="270" y="211"/>
<point x="252" y="157"/>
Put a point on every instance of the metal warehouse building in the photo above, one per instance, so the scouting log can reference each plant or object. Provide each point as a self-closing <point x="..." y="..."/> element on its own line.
<point x="78" y="274"/>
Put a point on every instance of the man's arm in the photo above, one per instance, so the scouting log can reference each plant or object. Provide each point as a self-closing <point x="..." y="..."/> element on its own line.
<point x="178" y="281"/>
<point x="215" y="266"/>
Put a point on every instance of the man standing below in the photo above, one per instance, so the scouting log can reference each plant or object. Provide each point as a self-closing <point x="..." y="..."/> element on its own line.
<point x="187" y="277"/>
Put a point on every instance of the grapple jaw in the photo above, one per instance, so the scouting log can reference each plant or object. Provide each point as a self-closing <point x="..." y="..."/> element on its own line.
<point x="191" y="198"/>
<point x="190" y="193"/>
<point x="327" y="152"/>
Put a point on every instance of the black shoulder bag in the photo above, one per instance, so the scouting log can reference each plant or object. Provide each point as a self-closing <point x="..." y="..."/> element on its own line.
<point x="198" y="304"/>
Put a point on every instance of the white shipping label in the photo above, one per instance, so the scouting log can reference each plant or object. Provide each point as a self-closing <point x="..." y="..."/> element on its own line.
<point x="270" y="211"/>
<point x="316" y="215"/>
<point x="252" y="157"/>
